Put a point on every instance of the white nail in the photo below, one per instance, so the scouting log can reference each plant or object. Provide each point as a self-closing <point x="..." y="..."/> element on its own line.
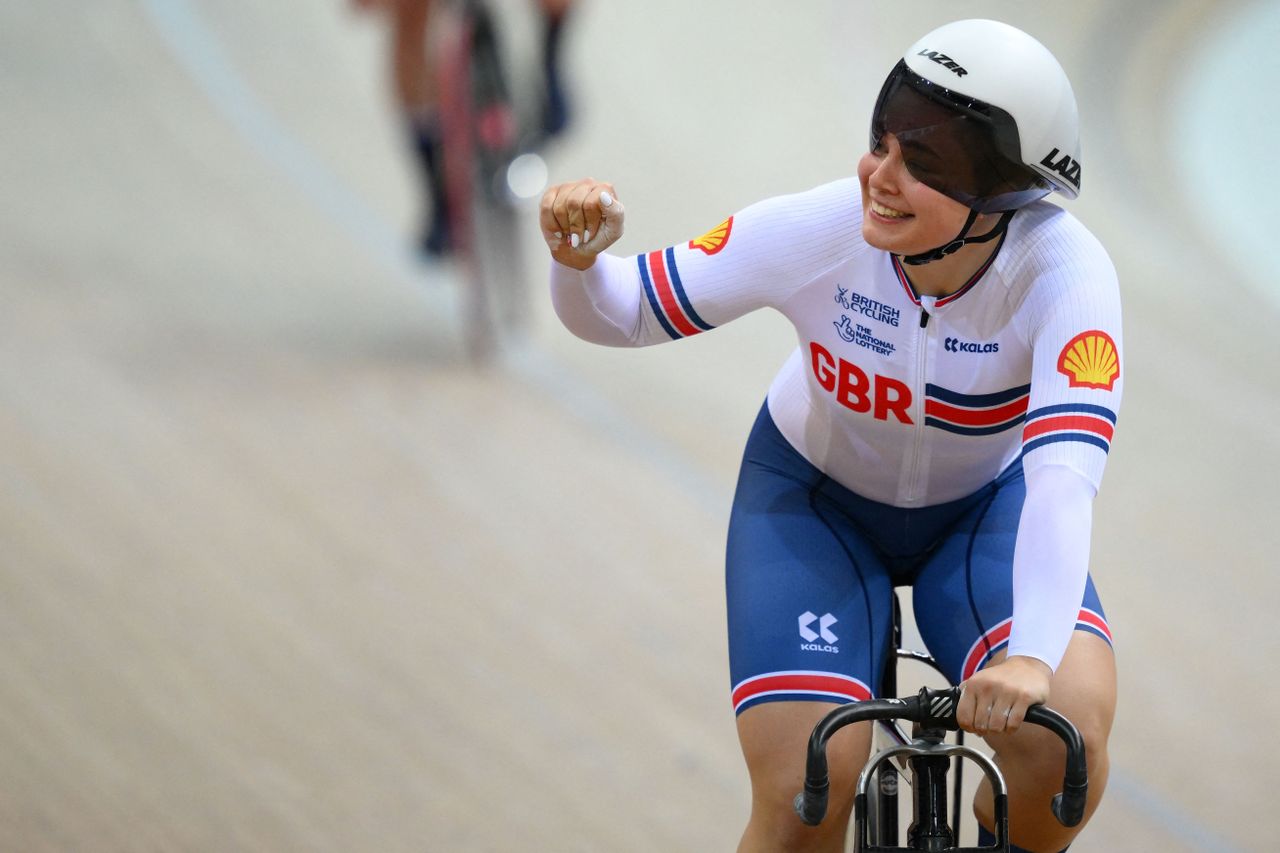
<point x="574" y="240"/>
<point x="559" y="236"/>
<point x="586" y="236"/>
<point x="606" y="199"/>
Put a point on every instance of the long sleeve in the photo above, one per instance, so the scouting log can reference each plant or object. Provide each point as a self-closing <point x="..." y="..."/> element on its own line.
<point x="600" y="304"/>
<point x="1076" y="387"/>
<point x="1050" y="562"/>
<point x="756" y="258"/>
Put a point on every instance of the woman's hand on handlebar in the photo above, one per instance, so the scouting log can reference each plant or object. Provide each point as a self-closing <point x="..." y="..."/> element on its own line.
<point x="996" y="699"/>
<point x="579" y="220"/>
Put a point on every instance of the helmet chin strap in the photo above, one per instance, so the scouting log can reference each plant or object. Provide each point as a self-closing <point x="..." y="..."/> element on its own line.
<point x="961" y="239"/>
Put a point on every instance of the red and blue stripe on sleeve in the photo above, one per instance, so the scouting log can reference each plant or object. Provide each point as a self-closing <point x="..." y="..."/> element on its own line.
<point x="1069" y="422"/>
<point x="667" y="297"/>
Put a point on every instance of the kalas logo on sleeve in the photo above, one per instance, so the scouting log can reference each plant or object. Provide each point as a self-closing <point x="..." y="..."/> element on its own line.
<point x="1090" y="360"/>
<point x="715" y="239"/>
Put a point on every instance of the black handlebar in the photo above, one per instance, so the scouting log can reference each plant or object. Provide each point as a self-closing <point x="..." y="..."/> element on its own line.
<point x="936" y="709"/>
<point x="1068" y="806"/>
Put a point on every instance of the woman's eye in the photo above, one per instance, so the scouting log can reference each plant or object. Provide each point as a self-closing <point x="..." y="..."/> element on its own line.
<point x="921" y="167"/>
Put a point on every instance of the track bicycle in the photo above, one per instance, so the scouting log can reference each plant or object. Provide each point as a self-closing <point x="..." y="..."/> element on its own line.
<point x="489" y="168"/>
<point x="930" y="757"/>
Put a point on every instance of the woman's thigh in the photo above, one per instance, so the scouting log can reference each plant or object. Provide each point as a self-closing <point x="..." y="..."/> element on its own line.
<point x="809" y="610"/>
<point x="809" y="603"/>
<point x="1032" y="759"/>
<point x="963" y="598"/>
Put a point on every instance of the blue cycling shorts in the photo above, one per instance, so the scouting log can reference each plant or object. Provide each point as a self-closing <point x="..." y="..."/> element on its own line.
<point x="811" y="567"/>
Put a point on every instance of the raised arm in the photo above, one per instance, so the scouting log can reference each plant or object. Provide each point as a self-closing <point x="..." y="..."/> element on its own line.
<point x="758" y="257"/>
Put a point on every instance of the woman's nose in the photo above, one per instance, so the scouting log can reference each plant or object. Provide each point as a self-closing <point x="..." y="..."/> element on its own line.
<point x="886" y="172"/>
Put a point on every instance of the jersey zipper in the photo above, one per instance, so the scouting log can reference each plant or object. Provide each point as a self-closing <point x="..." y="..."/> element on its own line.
<point x="922" y="355"/>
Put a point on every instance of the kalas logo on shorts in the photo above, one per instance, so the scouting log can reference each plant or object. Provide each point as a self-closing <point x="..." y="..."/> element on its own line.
<point x="957" y="345"/>
<point x="824" y="631"/>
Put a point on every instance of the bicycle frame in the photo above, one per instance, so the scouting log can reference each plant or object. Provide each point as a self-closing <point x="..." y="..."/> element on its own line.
<point x="886" y="821"/>
<point x="481" y="136"/>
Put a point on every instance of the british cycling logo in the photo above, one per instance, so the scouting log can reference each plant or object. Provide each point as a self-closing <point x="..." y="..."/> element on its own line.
<point x="825" y="621"/>
<point x="851" y="300"/>
<point x="861" y="335"/>
<point x="957" y="345"/>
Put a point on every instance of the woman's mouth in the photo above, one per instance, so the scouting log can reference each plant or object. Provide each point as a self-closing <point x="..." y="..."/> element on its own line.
<point x="886" y="212"/>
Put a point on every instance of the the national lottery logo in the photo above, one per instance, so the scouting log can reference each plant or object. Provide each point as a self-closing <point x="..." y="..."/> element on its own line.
<point x="856" y="333"/>
<point x="715" y="239"/>
<point x="852" y="300"/>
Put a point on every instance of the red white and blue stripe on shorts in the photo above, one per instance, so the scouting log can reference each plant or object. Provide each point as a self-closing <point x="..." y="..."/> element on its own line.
<point x="1069" y="422"/>
<point x="998" y="637"/>
<point x="665" y="292"/>
<point x="797" y="684"/>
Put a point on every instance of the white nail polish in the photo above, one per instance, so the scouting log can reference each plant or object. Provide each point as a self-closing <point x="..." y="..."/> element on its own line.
<point x="559" y="236"/>
<point x="586" y="236"/>
<point x="574" y="240"/>
<point x="606" y="199"/>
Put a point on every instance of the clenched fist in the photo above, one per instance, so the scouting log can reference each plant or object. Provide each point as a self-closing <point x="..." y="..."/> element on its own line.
<point x="579" y="220"/>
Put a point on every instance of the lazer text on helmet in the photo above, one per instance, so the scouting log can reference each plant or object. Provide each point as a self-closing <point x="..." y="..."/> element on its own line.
<point x="945" y="61"/>
<point x="1066" y="167"/>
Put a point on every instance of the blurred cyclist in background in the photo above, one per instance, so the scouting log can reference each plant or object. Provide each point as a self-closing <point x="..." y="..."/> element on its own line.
<point x="418" y="94"/>
<point x="944" y="423"/>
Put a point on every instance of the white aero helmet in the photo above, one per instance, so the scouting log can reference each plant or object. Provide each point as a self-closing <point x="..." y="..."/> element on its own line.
<point x="984" y="115"/>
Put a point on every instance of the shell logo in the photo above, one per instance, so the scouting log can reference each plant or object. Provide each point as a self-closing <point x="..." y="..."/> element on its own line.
<point x="715" y="239"/>
<point x="1090" y="360"/>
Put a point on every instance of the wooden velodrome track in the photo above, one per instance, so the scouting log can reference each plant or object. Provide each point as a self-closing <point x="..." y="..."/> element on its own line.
<point x="280" y="571"/>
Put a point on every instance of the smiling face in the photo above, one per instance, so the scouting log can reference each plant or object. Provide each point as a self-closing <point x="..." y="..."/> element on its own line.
<point x="900" y="214"/>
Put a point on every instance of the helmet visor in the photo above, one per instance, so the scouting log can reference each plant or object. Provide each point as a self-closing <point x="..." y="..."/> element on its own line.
<point x="964" y="148"/>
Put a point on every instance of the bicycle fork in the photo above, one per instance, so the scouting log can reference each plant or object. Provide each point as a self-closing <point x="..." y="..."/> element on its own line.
<point x="930" y="759"/>
<point x="930" y="830"/>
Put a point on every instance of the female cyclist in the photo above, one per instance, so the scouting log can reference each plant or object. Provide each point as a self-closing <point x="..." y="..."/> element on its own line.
<point x="943" y="423"/>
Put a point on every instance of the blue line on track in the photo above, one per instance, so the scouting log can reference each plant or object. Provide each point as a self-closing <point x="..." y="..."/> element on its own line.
<point x="1173" y="819"/>
<point x="195" y="48"/>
